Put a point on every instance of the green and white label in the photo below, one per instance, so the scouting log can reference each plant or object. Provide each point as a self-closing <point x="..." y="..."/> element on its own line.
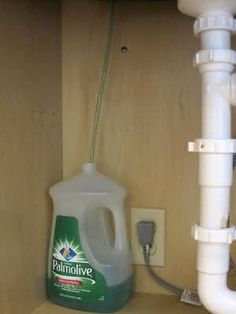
<point x="72" y="277"/>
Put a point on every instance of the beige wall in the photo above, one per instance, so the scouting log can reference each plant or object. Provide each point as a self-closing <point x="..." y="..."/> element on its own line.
<point x="151" y="110"/>
<point x="30" y="146"/>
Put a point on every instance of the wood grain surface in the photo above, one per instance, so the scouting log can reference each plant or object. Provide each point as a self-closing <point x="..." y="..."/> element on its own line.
<point x="30" y="147"/>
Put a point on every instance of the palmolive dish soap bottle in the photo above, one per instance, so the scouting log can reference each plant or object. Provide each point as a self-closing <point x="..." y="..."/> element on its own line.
<point x="89" y="269"/>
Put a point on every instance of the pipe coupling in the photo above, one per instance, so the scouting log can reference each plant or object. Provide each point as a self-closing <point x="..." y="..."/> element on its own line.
<point x="211" y="22"/>
<point x="215" y="56"/>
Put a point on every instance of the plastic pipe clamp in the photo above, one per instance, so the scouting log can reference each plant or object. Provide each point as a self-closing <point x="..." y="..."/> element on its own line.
<point x="213" y="146"/>
<point x="226" y="235"/>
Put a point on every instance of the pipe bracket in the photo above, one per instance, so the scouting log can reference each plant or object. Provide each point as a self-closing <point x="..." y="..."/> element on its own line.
<point x="201" y="234"/>
<point x="218" y="22"/>
<point x="213" y="146"/>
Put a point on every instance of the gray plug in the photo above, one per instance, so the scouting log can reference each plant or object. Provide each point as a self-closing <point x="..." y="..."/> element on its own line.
<point x="145" y="231"/>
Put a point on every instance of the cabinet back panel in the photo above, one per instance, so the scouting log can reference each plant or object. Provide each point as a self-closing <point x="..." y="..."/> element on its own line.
<point x="151" y="109"/>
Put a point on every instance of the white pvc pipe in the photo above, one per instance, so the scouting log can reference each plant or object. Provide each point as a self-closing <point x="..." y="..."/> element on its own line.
<point x="215" y="179"/>
<point x="215" y="39"/>
<point x="215" y="23"/>
<point x="212" y="260"/>
<point x="214" y="204"/>
<point x="215" y="295"/>
<point x="216" y="111"/>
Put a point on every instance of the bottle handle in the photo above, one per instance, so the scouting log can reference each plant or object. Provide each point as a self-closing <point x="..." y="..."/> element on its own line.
<point x="120" y="241"/>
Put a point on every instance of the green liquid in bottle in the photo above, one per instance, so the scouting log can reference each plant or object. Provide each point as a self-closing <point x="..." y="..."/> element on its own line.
<point x="118" y="296"/>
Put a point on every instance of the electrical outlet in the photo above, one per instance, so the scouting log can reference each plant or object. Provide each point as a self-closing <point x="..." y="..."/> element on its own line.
<point x="158" y="249"/>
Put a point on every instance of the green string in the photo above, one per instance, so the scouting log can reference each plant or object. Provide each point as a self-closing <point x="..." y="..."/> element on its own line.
<point x="102" y="84"/>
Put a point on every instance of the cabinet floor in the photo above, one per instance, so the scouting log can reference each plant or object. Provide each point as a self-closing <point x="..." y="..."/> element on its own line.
<point x="139" y="304"/>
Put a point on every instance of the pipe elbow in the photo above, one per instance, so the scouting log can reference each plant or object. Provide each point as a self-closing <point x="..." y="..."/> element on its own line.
<point x="215" y="295"/>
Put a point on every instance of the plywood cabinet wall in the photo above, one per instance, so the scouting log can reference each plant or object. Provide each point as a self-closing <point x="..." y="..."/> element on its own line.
<point x="30" y="146"/>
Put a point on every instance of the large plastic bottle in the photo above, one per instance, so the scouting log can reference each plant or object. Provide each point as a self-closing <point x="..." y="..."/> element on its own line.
<point x="89" y="267"/>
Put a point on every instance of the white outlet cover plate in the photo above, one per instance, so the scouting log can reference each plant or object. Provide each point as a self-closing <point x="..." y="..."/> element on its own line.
<point x="158" y="251"/>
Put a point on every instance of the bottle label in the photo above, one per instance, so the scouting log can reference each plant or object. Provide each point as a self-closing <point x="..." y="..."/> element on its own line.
<point x="72" y="277"/>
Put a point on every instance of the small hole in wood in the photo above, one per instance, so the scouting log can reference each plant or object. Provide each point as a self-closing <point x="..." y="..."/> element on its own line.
<point x="124" y="49"/>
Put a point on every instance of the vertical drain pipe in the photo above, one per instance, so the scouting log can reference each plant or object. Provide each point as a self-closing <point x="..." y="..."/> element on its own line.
<point x="216" y="61"/>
